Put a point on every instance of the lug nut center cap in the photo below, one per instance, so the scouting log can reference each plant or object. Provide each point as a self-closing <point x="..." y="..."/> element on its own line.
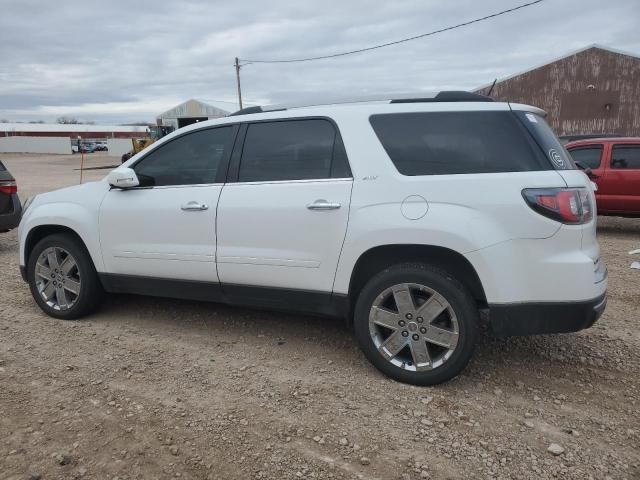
<point x="413" y="326"/>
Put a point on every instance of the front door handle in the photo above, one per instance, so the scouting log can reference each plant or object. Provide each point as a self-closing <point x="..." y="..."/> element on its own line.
<point x="323" y="205"/>
<point x="194" y="207"/>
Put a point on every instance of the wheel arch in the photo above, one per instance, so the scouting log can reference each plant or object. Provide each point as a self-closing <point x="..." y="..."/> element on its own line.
<point x="378" y="258"/>
<point x="39" y="232"/>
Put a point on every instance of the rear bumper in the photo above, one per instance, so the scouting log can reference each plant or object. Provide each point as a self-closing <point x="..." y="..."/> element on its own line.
<point x="539" y="318"/>
<point x="11" y="219"/>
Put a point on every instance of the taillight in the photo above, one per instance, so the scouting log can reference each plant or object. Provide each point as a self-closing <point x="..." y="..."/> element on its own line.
<point x="8" y="188"/>
<point x="566" y="205"/>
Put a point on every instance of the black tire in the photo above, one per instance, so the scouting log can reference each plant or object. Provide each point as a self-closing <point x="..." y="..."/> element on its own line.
<point x="90" y="291"/>
<point x="440" y="281"/>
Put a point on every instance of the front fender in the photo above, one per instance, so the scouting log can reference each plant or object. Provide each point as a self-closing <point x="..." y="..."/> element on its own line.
<point x="83" y="220"/>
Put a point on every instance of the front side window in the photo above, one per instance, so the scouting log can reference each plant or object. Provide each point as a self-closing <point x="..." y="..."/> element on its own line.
<point x="441" y="143"/>
<point x="588" y="157"/>
<point x="625" y="157"/>
<point x="191" y="159"/>
<point x="292" y="150"/>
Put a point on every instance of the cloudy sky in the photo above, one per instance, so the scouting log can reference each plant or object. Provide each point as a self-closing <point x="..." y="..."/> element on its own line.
<point x="114" y="61"/>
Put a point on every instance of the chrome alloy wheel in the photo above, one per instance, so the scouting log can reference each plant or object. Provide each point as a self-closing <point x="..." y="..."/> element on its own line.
<point x="57" y="278"/>
<point x="413" y="327"/>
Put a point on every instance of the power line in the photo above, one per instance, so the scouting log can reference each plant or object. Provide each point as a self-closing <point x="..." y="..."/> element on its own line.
<point x="388" y="44"/>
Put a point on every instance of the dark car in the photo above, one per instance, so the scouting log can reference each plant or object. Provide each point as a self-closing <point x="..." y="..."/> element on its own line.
<point x="10" y="207"/>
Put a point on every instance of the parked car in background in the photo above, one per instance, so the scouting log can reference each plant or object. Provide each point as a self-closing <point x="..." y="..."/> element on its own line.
<point x="408" y="217"/>
<point x="88" y="147"/>
<point x="10" y="207"/>
<point x="101" y="146"/>
<point x="615" y="168"/>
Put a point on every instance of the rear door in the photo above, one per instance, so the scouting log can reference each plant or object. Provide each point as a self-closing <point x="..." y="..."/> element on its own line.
<point x="282" y="215"/>
<point x="623" y="177"/>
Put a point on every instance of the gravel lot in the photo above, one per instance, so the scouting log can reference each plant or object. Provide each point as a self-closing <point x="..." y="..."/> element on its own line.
<point x="154" y="388"/>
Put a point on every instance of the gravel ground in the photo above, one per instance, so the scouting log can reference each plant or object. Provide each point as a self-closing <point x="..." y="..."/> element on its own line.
<point x="155" y="388"/>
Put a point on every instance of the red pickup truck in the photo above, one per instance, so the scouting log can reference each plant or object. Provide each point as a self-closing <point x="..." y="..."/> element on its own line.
<point x="615" y="167"/>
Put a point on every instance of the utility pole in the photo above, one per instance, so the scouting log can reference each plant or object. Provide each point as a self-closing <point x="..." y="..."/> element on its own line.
<point x="237" y="65"/>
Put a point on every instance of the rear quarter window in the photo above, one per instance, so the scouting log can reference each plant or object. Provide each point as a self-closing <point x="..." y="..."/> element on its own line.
<point x="547" y="140"/>
<point x="441" y="143"/>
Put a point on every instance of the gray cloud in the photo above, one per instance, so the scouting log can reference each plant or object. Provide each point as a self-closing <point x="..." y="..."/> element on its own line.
<point x="115" y="62"/>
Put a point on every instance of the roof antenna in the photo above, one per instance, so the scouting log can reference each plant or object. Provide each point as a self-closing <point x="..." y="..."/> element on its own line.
<point x="491" y="89"/>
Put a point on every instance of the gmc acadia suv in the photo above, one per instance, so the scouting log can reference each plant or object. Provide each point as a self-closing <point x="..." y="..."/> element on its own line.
<point x="408" y="217"/>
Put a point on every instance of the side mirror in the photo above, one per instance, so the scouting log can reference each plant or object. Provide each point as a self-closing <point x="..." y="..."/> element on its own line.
<point x="123" y="178"/>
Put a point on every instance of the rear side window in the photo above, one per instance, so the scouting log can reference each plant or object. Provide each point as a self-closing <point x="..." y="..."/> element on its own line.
<point x="191" y="159"/>
<point x="292" y="150"/>
<point x="625" y="157"/>
<point x="440" y="143"/>
<point x="2" y="167"/>
<point x="551" y="146"/>
<point x="589" y="157"/>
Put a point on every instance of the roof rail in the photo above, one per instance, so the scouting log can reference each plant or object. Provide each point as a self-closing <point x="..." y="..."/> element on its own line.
<point x="247" y="111"/>
<point x="447" y="96"/>
<point x="443" y="96"/>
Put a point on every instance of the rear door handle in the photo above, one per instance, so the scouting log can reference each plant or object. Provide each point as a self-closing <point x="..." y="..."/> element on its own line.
<point x="194" y="207"/>
<point x="323" y="205"/>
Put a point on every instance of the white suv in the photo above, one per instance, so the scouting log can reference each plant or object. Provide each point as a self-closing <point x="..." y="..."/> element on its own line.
<point x="409" y="217"/>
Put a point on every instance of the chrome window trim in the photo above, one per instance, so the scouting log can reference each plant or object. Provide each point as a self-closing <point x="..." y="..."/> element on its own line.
<point x="164" y="187"/>
<point x="278" y="182"/>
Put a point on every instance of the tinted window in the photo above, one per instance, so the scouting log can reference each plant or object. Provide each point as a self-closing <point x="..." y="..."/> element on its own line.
<point x="438" y="143"/>
<point x="625" y="156"/>
<point x="2" y="167"/>
<point x="587" y="156"/>
<point x="340" y="163"/>
<point x="191" y="159"/>
<point x="291" y="150"/>
<point x="547" y="140"/>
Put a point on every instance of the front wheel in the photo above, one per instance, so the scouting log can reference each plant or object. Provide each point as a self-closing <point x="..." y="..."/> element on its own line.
<point x="416" y="323"/>
<point x="62" y="277"/>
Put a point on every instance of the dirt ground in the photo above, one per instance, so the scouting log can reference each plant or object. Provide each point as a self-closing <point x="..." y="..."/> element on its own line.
<point x="153" y="388"/>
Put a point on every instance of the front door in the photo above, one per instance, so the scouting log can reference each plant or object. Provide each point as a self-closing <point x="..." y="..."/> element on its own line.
<point x="166" y="227"/>
<point x="594" y="156"/>
<point x="282" y="224"/>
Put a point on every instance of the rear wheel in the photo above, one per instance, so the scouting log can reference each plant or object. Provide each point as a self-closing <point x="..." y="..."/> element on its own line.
<point x="63" y="280"/>
<point x="416" y="323"/>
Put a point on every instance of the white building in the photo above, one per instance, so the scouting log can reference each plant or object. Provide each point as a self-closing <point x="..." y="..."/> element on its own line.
<point x="189" y="112"/>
